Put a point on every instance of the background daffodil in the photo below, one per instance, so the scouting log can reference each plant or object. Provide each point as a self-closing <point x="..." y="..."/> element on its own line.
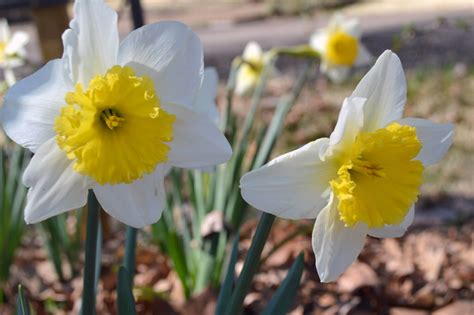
<point x="111" y="117"/>
<point x="340" y="47"/>
<point x="12" y="50"/>
<point x="249" y="72"/>
<point x="363" y="179"/>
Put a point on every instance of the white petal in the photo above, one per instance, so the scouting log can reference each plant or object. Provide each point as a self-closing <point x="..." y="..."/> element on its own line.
<point x="390" y="231"/>
<point x="435" y="138"/>
<point x="253" y="52"/>
<point x="9" y="76"/>
<point x="4" y="30"/>
<point x="197" y="142"/>
<point x="71" y="59"/>
<point x="138" y="204"/>
<point x="364" y="57"/>
<point x="33" y="103"/>
<point x="335" y="246"/>
<point x="384" y="87"/>
<point x="349" y="122"/>
<point x="17" y="42"/>
<point x="95" y="40"/>
<point x="245" y="80"/>
<point x="351" y="26"/>
<point x="292" y="186"/>
<point x="54" y="186"/>
<point x="206" y="98"/>
<point x="169" y="52"/>
<point x="338" y="74"/>
<point x="318" y="41"/>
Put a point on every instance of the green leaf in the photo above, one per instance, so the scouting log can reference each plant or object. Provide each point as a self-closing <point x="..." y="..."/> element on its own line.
<point x="251" y="263"/>
<point x="125" y="300"/>
<point x="301" y="51"/>
<point x="22" y="305"/>
<point x="227" y="286"/>
<point x="178" y="258"/>
<point x="284" y="296"/>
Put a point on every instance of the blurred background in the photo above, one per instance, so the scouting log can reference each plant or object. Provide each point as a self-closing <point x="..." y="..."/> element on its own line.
<point x="428" y="271"/>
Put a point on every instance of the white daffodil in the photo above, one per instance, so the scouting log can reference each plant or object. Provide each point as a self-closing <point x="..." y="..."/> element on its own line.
<point x="12" y="50"/>
<point x="340" y="47"/>
<point x="249" y="72"/>
<point x="111" y="116"/>
<point x="363" y="179"/>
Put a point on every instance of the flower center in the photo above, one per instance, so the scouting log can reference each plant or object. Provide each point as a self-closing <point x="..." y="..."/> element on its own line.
<point x="115" y="131"/>
<point x="111" y="118"/>
<point x="379" y="179"/>
<point x="342" y="48"/>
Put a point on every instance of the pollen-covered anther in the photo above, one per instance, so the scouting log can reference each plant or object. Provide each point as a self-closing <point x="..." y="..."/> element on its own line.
<point x="111" y="118"/>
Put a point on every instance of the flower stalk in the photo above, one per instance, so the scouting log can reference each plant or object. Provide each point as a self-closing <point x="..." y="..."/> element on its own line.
<point x="88" y="295"/>
<point x="251" y="264"/>
<point x="130" y="251"/>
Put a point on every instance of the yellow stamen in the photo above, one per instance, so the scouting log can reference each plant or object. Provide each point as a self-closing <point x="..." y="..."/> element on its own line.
<point x="379" y="179"/>
<point x="111" y="118"/>
<point x="115" y="131"/>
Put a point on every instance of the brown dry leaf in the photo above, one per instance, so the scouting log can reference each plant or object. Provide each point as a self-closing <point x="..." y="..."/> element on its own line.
<point x="327" y="300"/>
<point x="398" y="262"/>
<point x="177" y="291"/>
<point x="407" y="311"/>
<point x="46" y="271"/>
<point x="213" y="223"/>
<point x="461" y="307"/>
<point x="431" y="254"/>
<point x="156" y="306"/>
<point x="297" y="311"/>
<point x="203" y="304"/>
<point x="356" y="276"/>
<point x="425" y="297"/>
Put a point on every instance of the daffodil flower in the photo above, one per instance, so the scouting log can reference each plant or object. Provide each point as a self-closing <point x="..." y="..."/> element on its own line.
<point x="12" y="50"/>
<point x="340" y="47"/>
<point x="249" y="72"/>
<point x="111" y="116"/>
<point x="363" y="179"/>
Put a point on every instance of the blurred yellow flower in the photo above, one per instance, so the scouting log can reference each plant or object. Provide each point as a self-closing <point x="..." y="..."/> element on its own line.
<point x="250" y="71"/>
<point x="340" y="47"/>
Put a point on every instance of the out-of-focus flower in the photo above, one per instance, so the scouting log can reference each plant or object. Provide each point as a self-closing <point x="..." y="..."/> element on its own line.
<point x="12" y="50"/>
<point x="363" y="179"/>
<point x="111" y="117"/>
<point x="340" y="47"/>
<point x="249" y="72"/>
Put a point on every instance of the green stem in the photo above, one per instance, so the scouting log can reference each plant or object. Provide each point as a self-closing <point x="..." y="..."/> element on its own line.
<point x="251" y="264"/>
<point x="130" y="249"/>
<point x="88" y="294"/>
